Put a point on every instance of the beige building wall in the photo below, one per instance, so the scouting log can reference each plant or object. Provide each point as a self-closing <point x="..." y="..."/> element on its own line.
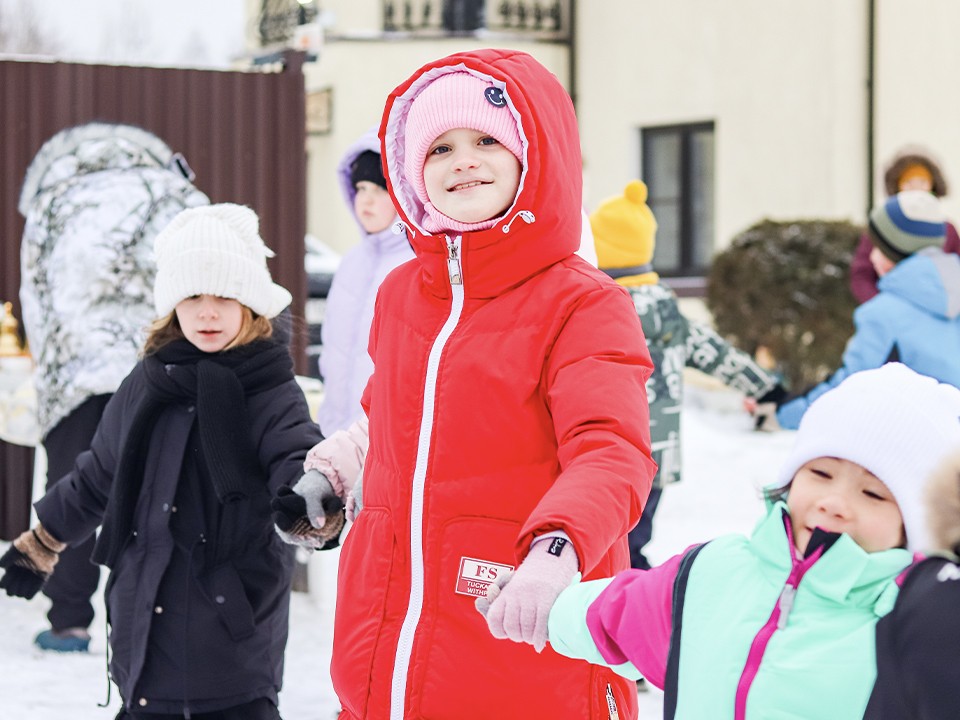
<point x="918" y="67"/>
<point x="785" y="84"/>
<point x="781" y="80"/>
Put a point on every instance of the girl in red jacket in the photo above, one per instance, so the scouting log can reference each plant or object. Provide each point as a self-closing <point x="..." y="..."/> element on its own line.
<point x="508" y="421"/>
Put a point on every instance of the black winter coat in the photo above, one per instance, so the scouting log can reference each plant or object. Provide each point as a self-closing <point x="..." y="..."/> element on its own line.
<point x="186" y="630"/>
<point x="918" y="673"/>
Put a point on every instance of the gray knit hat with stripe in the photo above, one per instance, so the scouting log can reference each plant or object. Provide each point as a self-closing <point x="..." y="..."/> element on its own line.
<point x="906" y="223"/>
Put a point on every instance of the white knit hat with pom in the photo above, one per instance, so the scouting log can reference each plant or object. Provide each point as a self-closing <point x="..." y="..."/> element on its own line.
<point x="216" y="250"/>
<point x="892" y="421"/>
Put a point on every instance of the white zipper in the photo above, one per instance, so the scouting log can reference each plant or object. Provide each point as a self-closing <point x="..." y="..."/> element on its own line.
<point x="401" y="665"/>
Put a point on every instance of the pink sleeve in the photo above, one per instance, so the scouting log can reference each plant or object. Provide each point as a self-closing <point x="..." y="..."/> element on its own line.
<point x="631" y="620"/>
<point x="340" y="457"/>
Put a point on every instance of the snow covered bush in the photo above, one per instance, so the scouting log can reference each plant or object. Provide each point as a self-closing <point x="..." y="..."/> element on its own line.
<point x="784" y="286"/>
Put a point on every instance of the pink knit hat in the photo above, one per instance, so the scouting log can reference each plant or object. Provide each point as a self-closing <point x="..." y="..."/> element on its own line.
<point x="454" y="100"/>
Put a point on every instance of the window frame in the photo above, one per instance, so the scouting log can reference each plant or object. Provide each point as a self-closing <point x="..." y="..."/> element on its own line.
<point x="696" y="275"/>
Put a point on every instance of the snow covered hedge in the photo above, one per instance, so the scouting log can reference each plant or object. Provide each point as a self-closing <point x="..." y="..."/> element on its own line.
<point x="785" y="286"/>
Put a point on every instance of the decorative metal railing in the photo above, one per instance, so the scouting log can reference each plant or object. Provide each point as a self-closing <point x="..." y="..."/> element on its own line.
<point x="537" y="19"/>
<point x="547" y="19"/>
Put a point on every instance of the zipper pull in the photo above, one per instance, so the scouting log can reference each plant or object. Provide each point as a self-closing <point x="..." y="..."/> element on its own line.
<point x="612" y="712"/>
<point x="453" y="262"/>
<point x="786" y="605"/>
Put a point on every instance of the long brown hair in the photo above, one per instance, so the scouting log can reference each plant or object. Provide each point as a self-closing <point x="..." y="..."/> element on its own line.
<point x="166" y="330"/>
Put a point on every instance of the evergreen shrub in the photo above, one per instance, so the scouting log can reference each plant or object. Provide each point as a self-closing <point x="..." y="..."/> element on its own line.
<point x="785" y="286"/>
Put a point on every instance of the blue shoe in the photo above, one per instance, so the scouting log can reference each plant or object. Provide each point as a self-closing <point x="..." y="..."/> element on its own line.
<point x="69" y="640"/>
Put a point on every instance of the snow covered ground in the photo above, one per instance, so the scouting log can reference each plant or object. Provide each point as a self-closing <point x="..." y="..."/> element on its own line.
<point x="725" y="463"/>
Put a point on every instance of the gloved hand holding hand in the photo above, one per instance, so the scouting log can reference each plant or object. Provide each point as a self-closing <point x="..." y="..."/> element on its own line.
<point x="355" y="498"/>
<point x="29" y="562"/>
<point x="310" y="513"/>
<point x="517" y="606"/>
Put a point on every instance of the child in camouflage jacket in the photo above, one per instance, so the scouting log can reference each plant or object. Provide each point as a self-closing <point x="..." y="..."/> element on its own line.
<point x="624" y="231"/>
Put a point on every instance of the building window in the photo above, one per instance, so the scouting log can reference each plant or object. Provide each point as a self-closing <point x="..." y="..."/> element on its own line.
<point x="678" y="170"/>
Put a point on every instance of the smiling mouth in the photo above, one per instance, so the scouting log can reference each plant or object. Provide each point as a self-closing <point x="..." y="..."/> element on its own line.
<point x="466" y="185"/>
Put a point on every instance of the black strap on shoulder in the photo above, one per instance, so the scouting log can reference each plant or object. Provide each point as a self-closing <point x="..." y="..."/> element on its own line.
<point x="673" y="658"/>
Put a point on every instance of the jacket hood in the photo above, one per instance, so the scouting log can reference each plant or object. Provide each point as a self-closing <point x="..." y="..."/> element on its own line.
<point x="914" y="156"/>
<point x="943" y="504"/>
<point x="90" y="148"/>
<point x="368" y="141"/>
<point x="542" y="226"/>
<point x="929" y="279"/>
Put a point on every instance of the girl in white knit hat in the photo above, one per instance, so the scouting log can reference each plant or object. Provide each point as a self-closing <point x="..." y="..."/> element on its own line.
<point x="208" y="426"/>
<point x="782" y="623"/>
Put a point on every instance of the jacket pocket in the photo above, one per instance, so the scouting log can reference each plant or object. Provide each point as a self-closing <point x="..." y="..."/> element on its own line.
<point x="363" y="584"/>
<point x="459" y="669"/>
<point x="224" y="590"/>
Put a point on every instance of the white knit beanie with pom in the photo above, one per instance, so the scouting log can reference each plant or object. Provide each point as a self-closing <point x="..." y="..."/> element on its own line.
<point x="892" y="421"/>
<point x="216" y="250"/>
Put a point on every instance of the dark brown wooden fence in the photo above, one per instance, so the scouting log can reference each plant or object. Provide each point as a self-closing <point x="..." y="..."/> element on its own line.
<point x="243" y="134"/>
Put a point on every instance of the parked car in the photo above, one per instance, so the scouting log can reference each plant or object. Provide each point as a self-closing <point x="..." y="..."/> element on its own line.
<point x="321" y="262"/>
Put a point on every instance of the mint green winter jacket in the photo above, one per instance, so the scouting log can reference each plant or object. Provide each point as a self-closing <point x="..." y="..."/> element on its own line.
<point x="741" y="628"/>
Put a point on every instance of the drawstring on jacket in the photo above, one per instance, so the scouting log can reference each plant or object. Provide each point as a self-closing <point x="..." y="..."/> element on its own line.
<point x="106" y="635"/>
<point x="399" y="227"/>
<point x="528" y="217"/>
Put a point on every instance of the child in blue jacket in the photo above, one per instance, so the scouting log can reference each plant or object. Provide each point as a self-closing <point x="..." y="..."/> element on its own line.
<point x="915" y="319"/>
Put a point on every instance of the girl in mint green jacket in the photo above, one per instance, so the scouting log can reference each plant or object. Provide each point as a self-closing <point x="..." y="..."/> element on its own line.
<point x="781" y="624"/>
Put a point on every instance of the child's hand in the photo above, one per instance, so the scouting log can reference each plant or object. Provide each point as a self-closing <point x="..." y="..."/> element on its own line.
<point x="310" y="513"/>
<point x="29" y="562"/>
<point x="355" y="498"/>
<point x="518" y="605"/>
<point x="764" y="409"/>
<point x="765" y="418"/>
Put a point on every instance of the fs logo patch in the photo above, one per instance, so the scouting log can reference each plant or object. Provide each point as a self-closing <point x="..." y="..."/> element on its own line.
<point x="494" y="96"/>
<point x="476" y="575"/>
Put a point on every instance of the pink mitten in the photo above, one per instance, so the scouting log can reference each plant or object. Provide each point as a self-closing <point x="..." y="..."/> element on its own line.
<point x="517" y="608"/>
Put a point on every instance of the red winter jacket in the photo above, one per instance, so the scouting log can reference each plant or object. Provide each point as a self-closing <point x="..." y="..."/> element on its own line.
<point x="501" y="408"/>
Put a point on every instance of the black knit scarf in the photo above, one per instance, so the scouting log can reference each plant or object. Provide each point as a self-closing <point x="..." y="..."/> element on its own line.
<point x="217" y="384"/>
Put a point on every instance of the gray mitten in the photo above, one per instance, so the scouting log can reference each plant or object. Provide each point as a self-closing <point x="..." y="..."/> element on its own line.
<point x="310" y="513"/>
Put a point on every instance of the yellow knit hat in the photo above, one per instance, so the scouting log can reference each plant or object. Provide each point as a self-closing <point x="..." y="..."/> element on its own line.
<point x="624" y="229"/>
